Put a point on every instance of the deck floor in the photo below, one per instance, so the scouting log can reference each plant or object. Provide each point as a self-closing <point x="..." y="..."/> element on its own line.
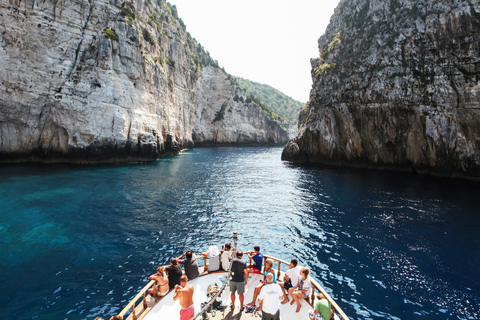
<point x="170" y="309"/>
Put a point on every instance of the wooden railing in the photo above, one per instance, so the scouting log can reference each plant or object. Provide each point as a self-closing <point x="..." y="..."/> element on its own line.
<point x="140" y="313"/>
<point x="316" y="285"/>
<point x="132" y="305"/>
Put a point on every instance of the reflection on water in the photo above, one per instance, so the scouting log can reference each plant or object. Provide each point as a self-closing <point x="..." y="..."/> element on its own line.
<point x="82" y="240"/>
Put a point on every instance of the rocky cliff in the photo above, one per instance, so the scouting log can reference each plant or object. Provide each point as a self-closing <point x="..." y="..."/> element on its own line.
<point x="111" y="80"/>
<point x="397" y="87"/>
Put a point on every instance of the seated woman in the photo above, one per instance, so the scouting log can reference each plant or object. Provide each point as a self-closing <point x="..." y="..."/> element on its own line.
<point x="303" y="290"/>
<point x="267" y="269"/>
<point x="161" y="278"/>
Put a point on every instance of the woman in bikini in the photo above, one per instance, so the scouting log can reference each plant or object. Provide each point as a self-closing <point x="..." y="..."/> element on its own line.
<point x="161" y="278"/>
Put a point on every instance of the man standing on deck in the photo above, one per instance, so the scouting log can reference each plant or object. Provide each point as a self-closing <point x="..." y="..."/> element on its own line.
<point x="239" y="279"/>
<point x="184" y="293"/>
<point x="269" y="299"/>
<point x="190" y="263"/>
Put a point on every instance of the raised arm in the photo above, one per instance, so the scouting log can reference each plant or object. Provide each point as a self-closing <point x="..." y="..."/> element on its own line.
<point x="178" y="292"/>
<point x="180" y="257"/>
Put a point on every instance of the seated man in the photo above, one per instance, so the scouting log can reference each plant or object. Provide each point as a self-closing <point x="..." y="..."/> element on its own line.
<point x="190" y="264"/>
<point x="226" y="256"/>
<point x="213" y="255"/>
<point x="174" y="273"/>
<point x="256" y="267"/>
<point x="290" y="280"/>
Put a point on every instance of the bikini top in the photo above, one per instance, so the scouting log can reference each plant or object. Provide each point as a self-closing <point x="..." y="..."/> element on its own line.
<point x="161" y="285"/>
<point x="274" y="276"/>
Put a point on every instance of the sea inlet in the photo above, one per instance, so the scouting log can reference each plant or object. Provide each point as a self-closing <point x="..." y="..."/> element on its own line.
<point x="79" y="242"/>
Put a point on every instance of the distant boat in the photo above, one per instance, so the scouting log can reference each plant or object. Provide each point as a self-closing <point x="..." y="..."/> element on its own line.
<point x="145" y="306"/>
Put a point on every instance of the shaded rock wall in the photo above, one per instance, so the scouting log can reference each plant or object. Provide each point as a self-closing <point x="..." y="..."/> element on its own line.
<point x="396" y="87"/>
<point x="108" y="80"/>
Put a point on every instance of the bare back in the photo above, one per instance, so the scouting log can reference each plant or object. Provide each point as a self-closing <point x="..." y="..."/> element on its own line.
<point x="185" y="295"/>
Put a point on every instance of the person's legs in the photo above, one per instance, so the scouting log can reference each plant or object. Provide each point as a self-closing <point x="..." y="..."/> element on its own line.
<point x="268" y="316"/>
<point x="240" y="297"/>
<point x="233" y="289"/>
<point x="241" y="290"/>
<point x="276" y="316"/>
<point x="292" y="293"/>
<point x="297" y="295"/>
<point x="255" y="294"/>
<point x="285" y="298"/>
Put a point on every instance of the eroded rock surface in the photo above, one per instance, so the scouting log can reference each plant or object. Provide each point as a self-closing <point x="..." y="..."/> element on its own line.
<point x="104" y="81"/>
<point x="396" y="87"/>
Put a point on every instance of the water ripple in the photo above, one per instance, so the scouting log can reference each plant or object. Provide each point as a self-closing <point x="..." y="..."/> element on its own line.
<point x="387" y="246"/>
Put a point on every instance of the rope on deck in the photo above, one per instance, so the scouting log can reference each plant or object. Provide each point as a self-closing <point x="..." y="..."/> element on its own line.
<point x="215" y="296"/>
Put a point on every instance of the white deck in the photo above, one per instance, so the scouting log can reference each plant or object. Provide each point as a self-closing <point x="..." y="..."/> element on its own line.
<point x="169" y="309"/>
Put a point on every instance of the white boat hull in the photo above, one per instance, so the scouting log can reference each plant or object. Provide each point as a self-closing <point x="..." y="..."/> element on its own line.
<point x="169" y="309"/>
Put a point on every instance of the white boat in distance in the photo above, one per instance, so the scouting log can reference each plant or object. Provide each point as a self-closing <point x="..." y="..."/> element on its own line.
<point x="144" y="306"/>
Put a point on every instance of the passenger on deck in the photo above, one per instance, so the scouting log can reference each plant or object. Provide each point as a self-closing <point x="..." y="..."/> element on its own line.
<point x="162" y="282"/>
<point x="174" y="273"/>
<point x="290" y="280"/>
<point x="256" y="267"/>
<point x="117" y="317"/>
<point x="323" y="309"/>
<point x="226" y="256"/>
<point x="184" y="293"/>
<point x="303" y="290"/>
<point x="268" y="270"/>
<point x="190" y="263"/>
<point x="239" y="279"/>
<point x="213" y="255"/>
<point x="269" y="299"/>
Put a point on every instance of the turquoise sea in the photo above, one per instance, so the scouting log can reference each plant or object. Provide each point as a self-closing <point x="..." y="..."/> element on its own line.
<point x="79" y="242"/>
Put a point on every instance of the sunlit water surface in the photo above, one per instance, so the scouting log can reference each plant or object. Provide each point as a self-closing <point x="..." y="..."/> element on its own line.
<point x="79" y="242"/>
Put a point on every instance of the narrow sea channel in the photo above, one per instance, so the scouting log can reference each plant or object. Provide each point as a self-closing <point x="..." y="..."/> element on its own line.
<point x="79" y="242"/>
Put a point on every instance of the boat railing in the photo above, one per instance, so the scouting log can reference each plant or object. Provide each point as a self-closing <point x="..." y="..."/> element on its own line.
<point x="137" y="314"/>
<point x="140" y="313"/>
<point x="132" y="304"/>
<point x="316" y="286"/>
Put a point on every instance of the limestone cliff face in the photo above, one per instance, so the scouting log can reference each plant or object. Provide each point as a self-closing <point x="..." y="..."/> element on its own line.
<point x="223" y="117"/>
<point x="397" y="87"/>
<point x="103" y="81"/>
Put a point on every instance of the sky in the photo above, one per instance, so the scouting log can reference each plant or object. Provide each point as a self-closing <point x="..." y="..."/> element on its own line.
<point x="266" y="41"/>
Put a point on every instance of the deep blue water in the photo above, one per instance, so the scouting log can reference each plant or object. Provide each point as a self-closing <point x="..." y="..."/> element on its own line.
<point x="79" y="242"/>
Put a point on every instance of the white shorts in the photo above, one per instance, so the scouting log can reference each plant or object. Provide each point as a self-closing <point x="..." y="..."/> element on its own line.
<point x="312" y="315"/>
